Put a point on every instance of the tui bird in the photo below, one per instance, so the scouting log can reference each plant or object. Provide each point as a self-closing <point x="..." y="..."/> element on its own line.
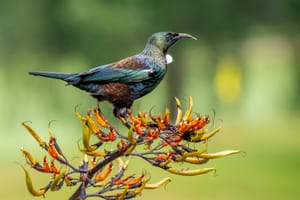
<point x="124" y="81"/>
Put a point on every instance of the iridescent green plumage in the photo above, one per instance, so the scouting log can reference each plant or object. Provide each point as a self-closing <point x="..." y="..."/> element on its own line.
<point x="122" y="82"/>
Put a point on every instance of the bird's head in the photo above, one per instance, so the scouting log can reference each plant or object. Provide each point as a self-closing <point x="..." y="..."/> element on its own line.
<point x="164" y="40"/>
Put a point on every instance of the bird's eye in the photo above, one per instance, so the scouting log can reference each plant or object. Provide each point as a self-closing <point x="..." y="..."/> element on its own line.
<point x="174" y="35"/>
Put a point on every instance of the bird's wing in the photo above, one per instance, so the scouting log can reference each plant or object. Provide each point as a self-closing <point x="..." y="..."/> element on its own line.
<point x="125" y="71"/>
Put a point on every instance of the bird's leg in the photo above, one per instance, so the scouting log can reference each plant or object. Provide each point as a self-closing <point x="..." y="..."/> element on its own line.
<point x="122" y="115"/>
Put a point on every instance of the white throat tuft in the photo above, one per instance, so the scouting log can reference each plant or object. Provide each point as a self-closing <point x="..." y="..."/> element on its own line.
<point x="168" y="58"/>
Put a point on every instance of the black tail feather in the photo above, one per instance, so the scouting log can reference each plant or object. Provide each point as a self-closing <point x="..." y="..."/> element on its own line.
<point x="55" y="75"/>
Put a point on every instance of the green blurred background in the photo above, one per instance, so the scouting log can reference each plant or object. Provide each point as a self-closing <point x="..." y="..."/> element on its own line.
<point x="245" y="65"/>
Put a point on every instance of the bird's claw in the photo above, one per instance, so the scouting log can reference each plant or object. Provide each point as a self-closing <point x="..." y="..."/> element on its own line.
<point x="122" y="115"/>
<point x="124" y="121"/>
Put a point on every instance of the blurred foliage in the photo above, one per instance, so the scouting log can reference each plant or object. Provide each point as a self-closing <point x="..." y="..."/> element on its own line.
<point x="261" y="38"/>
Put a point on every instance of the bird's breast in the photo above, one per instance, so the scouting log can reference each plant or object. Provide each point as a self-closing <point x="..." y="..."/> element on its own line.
<point x="118" y="94"/>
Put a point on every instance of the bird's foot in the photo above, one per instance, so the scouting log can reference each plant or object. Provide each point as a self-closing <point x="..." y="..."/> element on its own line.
<point x="122" y="115"/>
<point x="124" y="121"/>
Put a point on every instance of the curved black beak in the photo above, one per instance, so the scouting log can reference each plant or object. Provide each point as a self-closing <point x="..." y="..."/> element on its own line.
<point x="185" y="35"/>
